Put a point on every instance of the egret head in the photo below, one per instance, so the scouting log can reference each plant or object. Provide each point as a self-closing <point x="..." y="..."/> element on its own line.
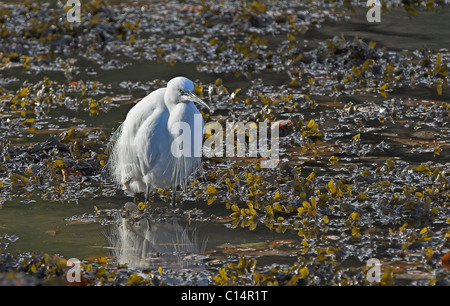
<point x="180" y="90"/>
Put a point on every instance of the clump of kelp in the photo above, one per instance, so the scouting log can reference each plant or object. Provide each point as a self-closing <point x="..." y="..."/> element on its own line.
<point x="233" y="38"/>
<point x="363" y="174"/>
<point x="364" y="213"/>
<point x="31" y="269"/>
<point x="61" y="168"/>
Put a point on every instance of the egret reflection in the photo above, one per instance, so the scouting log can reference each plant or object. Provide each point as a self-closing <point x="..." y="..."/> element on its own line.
<point x="150" y="240"/>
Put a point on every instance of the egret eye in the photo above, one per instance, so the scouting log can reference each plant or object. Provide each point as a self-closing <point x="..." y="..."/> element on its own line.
<point x="182" y="92"/>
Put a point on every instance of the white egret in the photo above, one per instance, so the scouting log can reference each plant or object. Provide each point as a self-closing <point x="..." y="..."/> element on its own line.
<point x="159" y="143"/>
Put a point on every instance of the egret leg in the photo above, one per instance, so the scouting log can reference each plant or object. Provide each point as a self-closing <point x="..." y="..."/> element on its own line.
<point x="147" y="194"/>
<point x="173" y="198"/>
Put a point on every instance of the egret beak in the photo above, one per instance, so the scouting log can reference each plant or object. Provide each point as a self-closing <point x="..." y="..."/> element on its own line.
<point x="189" y="96"/>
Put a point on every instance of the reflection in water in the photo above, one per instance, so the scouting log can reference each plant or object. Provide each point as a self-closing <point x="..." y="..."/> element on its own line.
<point x="151" y="240"/>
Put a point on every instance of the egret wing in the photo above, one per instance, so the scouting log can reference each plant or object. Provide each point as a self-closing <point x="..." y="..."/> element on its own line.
<point x="124" y="162"/>
<point x="152" y="140"/>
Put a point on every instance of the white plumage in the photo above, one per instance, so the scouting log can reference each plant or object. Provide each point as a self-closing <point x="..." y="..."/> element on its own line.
<point x="159" y="143"/>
